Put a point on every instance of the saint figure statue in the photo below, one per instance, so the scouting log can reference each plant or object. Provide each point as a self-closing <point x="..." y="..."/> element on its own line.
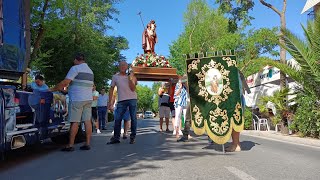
<point x="149" y="37"/>
<point x="214" y="84"/>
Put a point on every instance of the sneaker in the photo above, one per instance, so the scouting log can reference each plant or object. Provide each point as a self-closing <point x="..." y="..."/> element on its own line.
<point x="85" y="147"/>
<point x="98" y="131"/>
<point x="174" y="132"/>
<point x="132" y="141"/>
<point x="180" y="133"/>
<point x="67" y="149"/>
<point x="167" y="130"/>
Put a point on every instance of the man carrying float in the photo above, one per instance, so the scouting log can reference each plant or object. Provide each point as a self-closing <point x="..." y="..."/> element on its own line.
<point x="216" y="104"/>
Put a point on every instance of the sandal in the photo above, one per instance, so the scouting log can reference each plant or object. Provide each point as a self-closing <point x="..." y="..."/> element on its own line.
<point x="67" y="149"/>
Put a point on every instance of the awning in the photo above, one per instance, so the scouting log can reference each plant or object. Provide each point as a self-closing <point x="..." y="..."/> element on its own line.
<point x="309" y="4"/>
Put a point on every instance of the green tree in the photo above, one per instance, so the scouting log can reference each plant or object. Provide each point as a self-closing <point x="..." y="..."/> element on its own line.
<point x="256" y="44"/>
<point x="207" y="29"/>
<point x="145" y="97"/>
<point x="282" y="15"/>
<point x="238" y="13"/>
<point x="306" y="73"/>
<point x="306" y="52"/>
<point x="71" y="26"/>
<point x="155" y="88"/>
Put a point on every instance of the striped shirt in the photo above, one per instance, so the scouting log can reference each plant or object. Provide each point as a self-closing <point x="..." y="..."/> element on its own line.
<point x="181" y="99"/>
<point x="82" y="78"/>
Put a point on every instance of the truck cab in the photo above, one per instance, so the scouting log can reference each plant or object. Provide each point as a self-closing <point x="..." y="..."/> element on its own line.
<point x="25" y="117"/>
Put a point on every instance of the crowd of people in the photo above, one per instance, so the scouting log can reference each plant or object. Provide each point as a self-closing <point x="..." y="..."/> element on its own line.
<point x="87" y="106"/>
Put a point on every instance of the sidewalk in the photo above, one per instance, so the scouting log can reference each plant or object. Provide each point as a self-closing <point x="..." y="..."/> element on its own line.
<point x="277" y="136"/>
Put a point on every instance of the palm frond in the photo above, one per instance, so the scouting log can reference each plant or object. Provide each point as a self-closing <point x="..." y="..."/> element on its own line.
<point x="300" y="51"/>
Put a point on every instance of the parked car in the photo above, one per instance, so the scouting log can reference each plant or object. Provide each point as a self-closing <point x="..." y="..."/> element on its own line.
<point x="148" y="114"/>
<point x="139" y="115"/>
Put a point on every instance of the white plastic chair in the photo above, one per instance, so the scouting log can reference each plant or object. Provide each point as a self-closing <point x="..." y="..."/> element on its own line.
<point x="262" y="121"/>
<point x="255" y="123"/>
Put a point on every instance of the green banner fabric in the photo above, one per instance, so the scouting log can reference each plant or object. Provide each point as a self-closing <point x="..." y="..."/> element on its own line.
<point x="215" y="95"/>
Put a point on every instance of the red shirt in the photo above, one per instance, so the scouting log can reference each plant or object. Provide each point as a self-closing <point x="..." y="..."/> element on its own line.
<point x="172" y="93"/>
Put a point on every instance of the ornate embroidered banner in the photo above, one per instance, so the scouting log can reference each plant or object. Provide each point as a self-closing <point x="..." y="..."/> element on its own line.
<point x="215" y="97"/>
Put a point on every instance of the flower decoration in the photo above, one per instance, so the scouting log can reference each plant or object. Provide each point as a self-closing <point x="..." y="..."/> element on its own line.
<point x="151" y="60"/>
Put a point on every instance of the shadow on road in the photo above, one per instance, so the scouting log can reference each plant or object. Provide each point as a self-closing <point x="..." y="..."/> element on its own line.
<point x="245" y="146"/>
<point x="111" y="161"/>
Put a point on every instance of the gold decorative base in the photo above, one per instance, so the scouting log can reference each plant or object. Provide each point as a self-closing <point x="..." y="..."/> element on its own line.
<point x="154" y="73"/>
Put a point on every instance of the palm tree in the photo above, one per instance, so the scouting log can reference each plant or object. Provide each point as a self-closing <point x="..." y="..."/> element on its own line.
<point x="307" y="53"/>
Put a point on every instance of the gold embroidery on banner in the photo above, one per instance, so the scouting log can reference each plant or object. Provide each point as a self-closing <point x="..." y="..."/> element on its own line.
<point x="214" y="126"/>
<point x="230" y="62"/>
<point x="237" y="116"/>
<point x="217" y="99"/>
<point x="198" y="116"/>
<point x="193" y="65"/>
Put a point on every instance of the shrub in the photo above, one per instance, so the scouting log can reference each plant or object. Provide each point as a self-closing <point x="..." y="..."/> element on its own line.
<point x="247" y="118"/>
<point x="307" y="117"/>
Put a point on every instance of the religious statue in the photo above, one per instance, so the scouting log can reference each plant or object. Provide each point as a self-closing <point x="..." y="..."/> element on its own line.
<point x="149" y="38"/>
<point x="214" y="84"/>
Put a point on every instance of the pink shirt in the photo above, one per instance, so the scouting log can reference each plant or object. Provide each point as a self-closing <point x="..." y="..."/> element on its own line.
<point x="124" y="91"/>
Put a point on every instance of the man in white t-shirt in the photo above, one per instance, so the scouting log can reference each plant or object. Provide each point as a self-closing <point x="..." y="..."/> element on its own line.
<point x="80" y="77"/>
<point x="127" y="98"/>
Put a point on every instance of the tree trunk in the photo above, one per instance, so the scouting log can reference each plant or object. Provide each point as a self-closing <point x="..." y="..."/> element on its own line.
<point x="41" y="31"/>
<point x="283" y="78"/>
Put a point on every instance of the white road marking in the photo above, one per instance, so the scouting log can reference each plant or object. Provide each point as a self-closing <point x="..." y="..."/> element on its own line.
<point x="240" y="174"/>
<point x="131" y="154"/>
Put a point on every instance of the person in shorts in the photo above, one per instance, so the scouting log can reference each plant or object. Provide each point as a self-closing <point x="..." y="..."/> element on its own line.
<point x="95" y="96"/>
<point x="164" y="107"/>
<point x="80" y="81"/>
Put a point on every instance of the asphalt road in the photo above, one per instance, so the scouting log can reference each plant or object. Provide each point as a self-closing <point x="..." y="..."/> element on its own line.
<point x="158" y="156"/>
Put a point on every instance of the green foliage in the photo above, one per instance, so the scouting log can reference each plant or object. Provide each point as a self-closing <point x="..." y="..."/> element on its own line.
<point x="247" y="118"/>
<point x="207" y="29"/>
<point x="110" y="117"/>
<point x="73" y="26"/>
<point x="278" y="99"/>
<point x="306" y="52"/>
<point x="255" y="44"/>
<point x="237" y="11"/>
<point x="307" y="117"/>
<point x="155" y="88"/>
<point x="145" y="96"/>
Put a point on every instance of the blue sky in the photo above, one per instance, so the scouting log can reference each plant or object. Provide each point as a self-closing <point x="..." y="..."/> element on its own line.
<point x="168" y="15"/>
